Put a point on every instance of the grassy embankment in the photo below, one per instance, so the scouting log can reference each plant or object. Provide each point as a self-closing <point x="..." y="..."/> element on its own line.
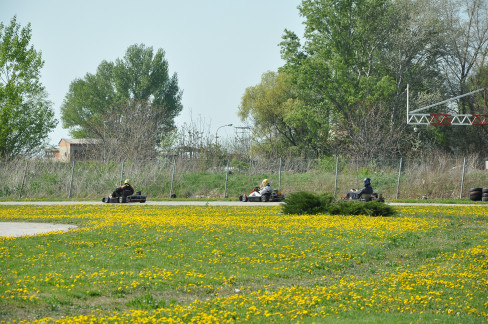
<point x="223" y="264"/>
<point x="91" y="181"/>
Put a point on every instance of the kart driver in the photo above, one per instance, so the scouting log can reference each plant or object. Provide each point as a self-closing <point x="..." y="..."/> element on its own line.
<point x="123" y="191"/>
<point x="356" y="194"/>
<point x="265" y="188"/>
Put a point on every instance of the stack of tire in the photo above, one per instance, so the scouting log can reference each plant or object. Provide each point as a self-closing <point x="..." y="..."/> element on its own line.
<point x="477" y="194"/>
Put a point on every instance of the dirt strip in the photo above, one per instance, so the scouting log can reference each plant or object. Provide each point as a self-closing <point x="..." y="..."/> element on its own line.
<point x="17" y="229"/>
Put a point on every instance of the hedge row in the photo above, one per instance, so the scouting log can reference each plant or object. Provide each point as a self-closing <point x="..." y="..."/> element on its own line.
<point x="303" y="202"/>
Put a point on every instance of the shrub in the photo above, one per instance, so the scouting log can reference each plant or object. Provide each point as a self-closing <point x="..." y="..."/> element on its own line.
<point x="370" y="208"/>
<point x="303" y="202"/>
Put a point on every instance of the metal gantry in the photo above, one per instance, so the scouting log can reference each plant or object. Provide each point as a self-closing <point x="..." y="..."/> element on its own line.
<point x="416" y="118"/>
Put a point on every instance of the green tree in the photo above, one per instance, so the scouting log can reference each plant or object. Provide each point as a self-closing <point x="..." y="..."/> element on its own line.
<point x="26" y="116"/>
<point x="339" y="65"/>
<point x="140" y="76"/>
<point x="276" y="114"/>
<point x="354" y="64"/>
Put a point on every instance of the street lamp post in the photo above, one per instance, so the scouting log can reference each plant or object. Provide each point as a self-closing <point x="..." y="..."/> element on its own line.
<point x="216" y="136"/>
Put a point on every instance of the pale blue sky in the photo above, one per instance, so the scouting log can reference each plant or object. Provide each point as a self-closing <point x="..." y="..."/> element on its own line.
<point x="218" y="48"/>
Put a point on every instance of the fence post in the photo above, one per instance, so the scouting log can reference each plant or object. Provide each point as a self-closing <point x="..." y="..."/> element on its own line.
<point x="71" y="180"/>
<point x="462" y="179"/>
<point x="279" y="177"/>
<point x="122" y="173"/>
<point x="226" y="180"/>
<point x="172" y="179"/>
<point x="336" y="173"/>
<point x="23" y="180"/>
<point x="398" y="181"/>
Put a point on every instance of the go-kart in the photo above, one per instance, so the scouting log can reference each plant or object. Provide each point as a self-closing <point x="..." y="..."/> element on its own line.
<point x="127" y="199"/>
<point x="367" y="197"/>
<point x="272" y="196"/>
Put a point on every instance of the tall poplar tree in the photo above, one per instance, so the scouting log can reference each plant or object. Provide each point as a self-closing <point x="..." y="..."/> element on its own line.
<point x="26" y="115"/>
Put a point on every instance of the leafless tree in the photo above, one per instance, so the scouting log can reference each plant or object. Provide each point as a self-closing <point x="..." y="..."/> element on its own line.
<point x="370" y="135"/>
<point x="192" y="140"/>
<point x="131" y="134"/>
<point x="466" y="23"/>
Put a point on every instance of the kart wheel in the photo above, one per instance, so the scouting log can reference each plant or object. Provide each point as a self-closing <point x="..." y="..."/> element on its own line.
<point x="262" y="199"/>
<point x="484" y="199"/>
<point x="484" y="190"/>
<point x="244" y="199"/>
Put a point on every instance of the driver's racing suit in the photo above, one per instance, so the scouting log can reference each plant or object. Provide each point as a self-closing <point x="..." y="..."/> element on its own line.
<point x="356" y="194"/>
<point x="261" y="192"/>
<point x="123" y="191"/>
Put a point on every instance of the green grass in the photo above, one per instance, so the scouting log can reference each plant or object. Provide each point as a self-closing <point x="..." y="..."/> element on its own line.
<point x="244" y="264"/>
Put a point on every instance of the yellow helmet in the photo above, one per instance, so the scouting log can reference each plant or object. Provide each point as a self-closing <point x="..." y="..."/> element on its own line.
<point x="265" y="182"/>
<point x="127" y="181"/>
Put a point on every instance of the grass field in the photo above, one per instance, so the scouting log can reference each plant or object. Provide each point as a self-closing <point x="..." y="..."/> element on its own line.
<point x="245" y="264"/>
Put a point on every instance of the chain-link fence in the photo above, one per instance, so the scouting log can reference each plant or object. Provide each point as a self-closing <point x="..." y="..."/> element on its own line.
<point x="431" y="177"/>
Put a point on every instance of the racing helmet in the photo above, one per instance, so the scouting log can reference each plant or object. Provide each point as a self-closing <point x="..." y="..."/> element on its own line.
<point x="367" y="181"/>
<point x="127" y="181"/>
<point x="265" y="183"/>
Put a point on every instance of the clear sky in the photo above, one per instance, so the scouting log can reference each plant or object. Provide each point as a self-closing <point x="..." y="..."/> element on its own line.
<point x="218" y="48"/>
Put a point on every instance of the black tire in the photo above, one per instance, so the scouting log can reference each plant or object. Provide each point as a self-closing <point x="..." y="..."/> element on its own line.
<point x="484" y="199"/>
<point x="262" y="198"/>
<point x="475" y="197"/>
<point x="240" y="198"/>
<point x="484" y="194"/>
<point x="484" y="190"/>
<point x="122" y="200"/>
<point x="475" y="193"/>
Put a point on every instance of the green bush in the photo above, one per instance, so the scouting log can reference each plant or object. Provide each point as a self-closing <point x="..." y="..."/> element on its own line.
<point x="309" y="203"/>
<point x="370" y="208"/>
<point x="303" y="202"/>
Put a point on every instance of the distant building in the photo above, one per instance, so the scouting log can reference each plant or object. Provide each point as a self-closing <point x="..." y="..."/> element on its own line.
<point x="75" y="149"/>
<point x="52" y="153"/>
